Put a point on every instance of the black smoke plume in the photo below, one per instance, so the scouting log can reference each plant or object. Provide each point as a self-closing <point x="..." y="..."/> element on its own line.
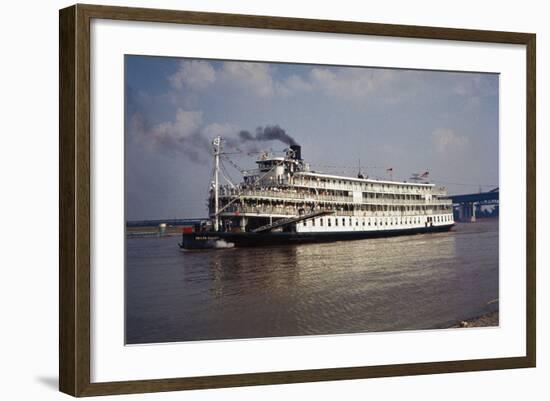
<point x="269" y="133"/>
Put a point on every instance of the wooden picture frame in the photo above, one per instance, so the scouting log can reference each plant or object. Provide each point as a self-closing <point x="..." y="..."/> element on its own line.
<point x="74" y="203"/>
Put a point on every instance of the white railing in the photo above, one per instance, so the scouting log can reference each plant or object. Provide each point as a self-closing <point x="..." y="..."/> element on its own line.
<point x="401" y="188"/>
<point x="277" y="211"/>
<point x="308" y="197"/>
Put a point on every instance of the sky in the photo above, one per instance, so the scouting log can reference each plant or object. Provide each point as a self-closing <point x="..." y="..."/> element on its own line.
<point x="408" y="120"/>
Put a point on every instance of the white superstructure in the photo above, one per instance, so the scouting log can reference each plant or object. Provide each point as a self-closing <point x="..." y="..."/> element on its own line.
<point x="286" y="188"/>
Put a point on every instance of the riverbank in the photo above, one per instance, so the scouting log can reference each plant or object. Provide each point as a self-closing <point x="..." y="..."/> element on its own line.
<point x="487" y="320"/>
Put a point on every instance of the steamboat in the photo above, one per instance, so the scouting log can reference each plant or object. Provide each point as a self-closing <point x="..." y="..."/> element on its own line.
<point x="284" y="201"/>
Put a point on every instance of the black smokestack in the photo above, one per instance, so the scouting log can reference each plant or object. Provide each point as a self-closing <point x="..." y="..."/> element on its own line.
<point x="297" y="149"/>
<point x="269" y="133"/>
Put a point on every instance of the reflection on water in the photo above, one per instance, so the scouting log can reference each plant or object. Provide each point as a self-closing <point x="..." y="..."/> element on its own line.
<point x="386" y="284"/>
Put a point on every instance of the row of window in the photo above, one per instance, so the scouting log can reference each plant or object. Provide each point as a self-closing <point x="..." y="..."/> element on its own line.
<point x="349" y="221"/>
<point x="366" y="185"/>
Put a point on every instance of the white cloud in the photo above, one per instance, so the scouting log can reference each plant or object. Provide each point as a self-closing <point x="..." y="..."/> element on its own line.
<point x="217" y="129"/>
<point x="185" y="134"/>
<point x="294" y="84"/>
<point x="193" y="74"/>
<point x="447" y="141"/>
<point x="186" y="123"/>
<point x="258" y="80"/>
<point x="348" y="82"/>
<point x="250" y="78"/>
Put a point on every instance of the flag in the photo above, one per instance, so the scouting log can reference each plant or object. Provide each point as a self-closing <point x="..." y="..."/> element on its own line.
<point x="389" y="169"/>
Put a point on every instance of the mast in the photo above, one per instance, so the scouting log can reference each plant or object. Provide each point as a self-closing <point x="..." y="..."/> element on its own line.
<point x="216" y="143"/>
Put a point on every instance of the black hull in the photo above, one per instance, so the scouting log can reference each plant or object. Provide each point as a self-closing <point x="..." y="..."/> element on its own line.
<point x="207" y="240"/>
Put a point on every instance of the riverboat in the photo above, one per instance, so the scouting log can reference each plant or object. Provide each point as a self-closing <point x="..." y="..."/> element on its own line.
<point x="284" y="201"/>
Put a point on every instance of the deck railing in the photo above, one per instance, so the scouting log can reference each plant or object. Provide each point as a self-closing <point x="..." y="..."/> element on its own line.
<point x="405" y="188"/>
<point x="276" y="211"/>
<point x="308" y="197"/>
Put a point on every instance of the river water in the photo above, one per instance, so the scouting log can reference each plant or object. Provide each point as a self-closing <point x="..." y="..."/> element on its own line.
<point x="414" y="282"/>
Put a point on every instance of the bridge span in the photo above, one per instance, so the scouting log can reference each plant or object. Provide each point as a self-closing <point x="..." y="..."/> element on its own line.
<point x="467" y="206"/>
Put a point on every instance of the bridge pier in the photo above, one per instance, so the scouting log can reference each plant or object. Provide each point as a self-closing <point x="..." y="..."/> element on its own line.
<point x="467" y="211"/>
<point x="464" y="212"/>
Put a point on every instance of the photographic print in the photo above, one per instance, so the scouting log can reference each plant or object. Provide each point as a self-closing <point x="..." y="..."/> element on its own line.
<point x="268" y="199"/>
